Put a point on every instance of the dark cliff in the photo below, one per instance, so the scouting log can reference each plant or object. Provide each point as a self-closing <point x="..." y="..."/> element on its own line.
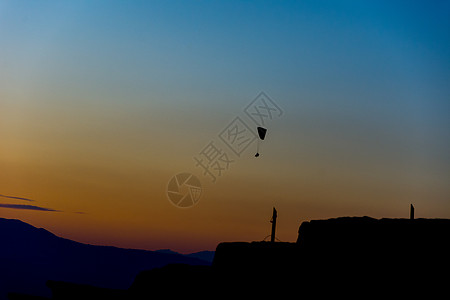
<point x="350" y="257"/>
<point x="401" y="246"/>
<point x="348" y="253"/>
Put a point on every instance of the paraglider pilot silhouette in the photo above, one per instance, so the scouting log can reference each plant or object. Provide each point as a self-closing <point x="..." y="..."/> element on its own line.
<point x="262" y="134"/>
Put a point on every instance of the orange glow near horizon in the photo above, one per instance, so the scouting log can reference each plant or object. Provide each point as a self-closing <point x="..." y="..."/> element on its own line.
<point x="101" y="104"/>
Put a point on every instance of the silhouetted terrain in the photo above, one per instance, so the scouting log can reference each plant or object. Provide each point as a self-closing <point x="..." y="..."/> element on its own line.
<point x="30" y="256"/>
<point x="347" y="257"/>
<point x="203" y="255"/>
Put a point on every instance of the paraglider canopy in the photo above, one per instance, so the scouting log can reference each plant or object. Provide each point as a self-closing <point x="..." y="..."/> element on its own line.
<point x="262" y="134"/>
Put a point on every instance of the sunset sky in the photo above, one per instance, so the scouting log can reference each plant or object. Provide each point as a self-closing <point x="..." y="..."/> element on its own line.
<point x="102" y="102"/>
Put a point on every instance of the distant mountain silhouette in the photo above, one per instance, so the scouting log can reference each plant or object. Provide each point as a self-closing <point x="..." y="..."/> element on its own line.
<point x="357" y="257"/>
<point x="347" y="257"/>
<point x="30" y="256"/>
<point x="203" y="255"/>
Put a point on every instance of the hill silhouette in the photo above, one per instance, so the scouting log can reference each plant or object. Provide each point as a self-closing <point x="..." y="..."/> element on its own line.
<point x="347" y="256"/>
<point x="203" y="255"/>
<point x="342" y="257"/>
<point x="30" y="256"/>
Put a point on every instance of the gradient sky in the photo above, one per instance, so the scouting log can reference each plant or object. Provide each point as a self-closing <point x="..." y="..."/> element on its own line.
<point x="102" y="102"/>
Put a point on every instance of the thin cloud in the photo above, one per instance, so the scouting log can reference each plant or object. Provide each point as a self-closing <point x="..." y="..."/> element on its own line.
<point x="17" y="198"/>
<point x="27" y="207"/>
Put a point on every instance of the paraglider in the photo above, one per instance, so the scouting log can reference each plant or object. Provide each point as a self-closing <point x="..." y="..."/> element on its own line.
<point x="262" y="134"/>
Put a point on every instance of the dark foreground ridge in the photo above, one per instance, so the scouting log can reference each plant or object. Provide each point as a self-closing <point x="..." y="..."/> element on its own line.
<point x="31" y="256"/>
<point x="349" y="256"/>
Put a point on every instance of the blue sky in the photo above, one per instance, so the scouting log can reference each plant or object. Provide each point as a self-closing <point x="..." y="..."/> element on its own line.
<point x="122" y="88"/>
